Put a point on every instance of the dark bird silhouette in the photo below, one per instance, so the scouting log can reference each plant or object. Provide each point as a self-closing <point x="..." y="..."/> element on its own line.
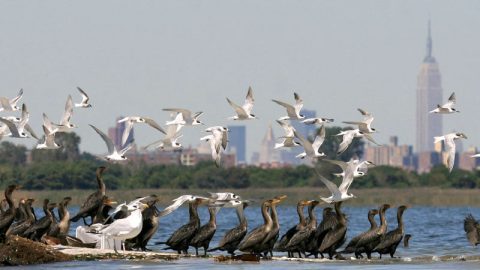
<point x="94" y="201"/>
<point x="392" y="239"/>
<point x="336" y="236"/>
<point x="472" y="228"/>
<point x="20" y="227"/>
<point x="288" y="235"/>
<point x="42" y="226"/>
<point x="61" y="228"/>
<point x="204" y="235"/>
<point x="351" y="246"/>
<point x="180" y="239"/>
<point x="8" y="216"/>
<point x="256" y="236"/>
<point x="370" y="240"/>
<point x="406" y="240"/>
<point x="234" y="236"/>
<point x="151" y="217"/>
<point x="269" y="242"/>
<point x="301" y="238"/>
<point x="329" y="221"/>
<point x="103" y="211"/>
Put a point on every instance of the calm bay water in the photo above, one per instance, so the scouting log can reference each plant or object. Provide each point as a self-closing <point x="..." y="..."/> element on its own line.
<point x="437" y="233"/>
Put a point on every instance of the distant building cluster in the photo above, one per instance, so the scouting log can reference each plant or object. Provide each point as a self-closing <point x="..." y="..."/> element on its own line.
<point x="426" y="155"/>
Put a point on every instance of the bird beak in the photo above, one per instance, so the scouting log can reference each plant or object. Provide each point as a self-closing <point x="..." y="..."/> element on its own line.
<point x="145" y="205"/>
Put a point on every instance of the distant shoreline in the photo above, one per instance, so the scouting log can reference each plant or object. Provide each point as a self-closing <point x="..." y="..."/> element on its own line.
<point x="427" y="196"/>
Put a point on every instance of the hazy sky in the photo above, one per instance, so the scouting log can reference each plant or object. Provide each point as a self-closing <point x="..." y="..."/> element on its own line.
<point x="137" y="57"/>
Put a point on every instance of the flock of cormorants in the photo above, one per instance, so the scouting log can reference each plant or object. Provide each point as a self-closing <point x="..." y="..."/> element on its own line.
<point x="307" y="238"/>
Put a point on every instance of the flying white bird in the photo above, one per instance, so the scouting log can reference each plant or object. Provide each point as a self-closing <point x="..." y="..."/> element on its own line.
<point x="350" y="169"/>
<point x="214" y="147"/>
<point x="48" y="124"/>
<point x="348" y="136"/>
<point x="312" y="149"/>
<point x="13" y="119"/>
<point x="317" y="120"/>
<point x="244" y="112"/>
<point x="289" y="137"/>
<point x="293" y="111"/>
<point x="49" y="141"/>
<point x="181" y="200"/>
<point x="113" y="153"/>
<point x="447" y="107"/>
<point x="125" y="228"/>
<point x="187" y="118"/>
<point x="131" y="120"/>
<point x="338" y="193"/>
<point x="450" y="146"/>
<point x="220" y="132"/>
<point x="10" y="105"/>
<point x="20" y="129"/>
<point x="65" y="125"/>
<point x="224" y="196"/>
<point x="84" y="103"/>
<point x="365" y="125"/>
<point x="170" y="141"/>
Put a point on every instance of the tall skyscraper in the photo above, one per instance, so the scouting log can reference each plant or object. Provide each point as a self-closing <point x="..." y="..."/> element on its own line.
<point x="237" y="142"/>
<point x="267" y="152"/>
<point x="429" y="94"/>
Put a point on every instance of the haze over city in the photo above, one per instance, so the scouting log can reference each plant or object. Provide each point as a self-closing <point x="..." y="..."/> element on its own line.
<point x="145" y="56"/>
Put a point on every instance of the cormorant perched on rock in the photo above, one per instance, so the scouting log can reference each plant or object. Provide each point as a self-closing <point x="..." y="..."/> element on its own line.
<point x="288" y="235"/>
<point x="472" y="228"/>
<point x="205" y="233"/>
<point x="63" y="225"/>
<point x="392" y="239"/>
<point x="272" y="237"/>
<point x="370" y="240"/>
<point x="151" y="217"/>
<point x="20" y="227"/>
<point x="336" y="236"/>
<point x="42" y="226"/>
<point x="234" y="236"/>
<point x="350" y="248"/>
<point x="300" y="239"/>
<point x="329" y="221"/>
<point x="90" y="207"/>
<point x="180" y="239"/>
<point x="7" y="217"/>
<point x="256" y="236"/>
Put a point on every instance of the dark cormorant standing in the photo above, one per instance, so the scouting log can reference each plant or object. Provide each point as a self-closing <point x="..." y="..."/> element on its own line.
<point x="90" y="207"/>
<point x="204" y="235"/>
<point x="151" y="217"/>
<point x="336" y="236"/>
<point x="180" y="239"/>
<point x="42" y="226"/>
<point x="21" y="214"/>
<point x="288" y="235"/>
<point x="301" y="239"/>
<point x="472" y="228"/>
<point x="6" y="218"/>
<point x="102" y="213"/>
<point x="269" y="242"/>
<point x="329" y="221"/>
<point x="392" y="239"/>
<point x="371" y="239"/>
<point x="234" y="236"/>
<point x="350" y="248"/>
<point x="20" y="227"/>
<point x="406" y="240"/>
<point x="61" y="227"/>
<point x="3" y="206"/>
<point x="256" y="236"/>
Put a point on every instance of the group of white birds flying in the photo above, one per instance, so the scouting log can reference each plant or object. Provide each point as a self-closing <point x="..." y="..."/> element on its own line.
<point x="18" y="127"/>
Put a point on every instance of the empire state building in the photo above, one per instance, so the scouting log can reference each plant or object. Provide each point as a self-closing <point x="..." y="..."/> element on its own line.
<point x="429" y="94"/>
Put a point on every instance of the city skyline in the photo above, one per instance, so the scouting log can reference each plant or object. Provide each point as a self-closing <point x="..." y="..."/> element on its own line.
<point x="174" y="48"/>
